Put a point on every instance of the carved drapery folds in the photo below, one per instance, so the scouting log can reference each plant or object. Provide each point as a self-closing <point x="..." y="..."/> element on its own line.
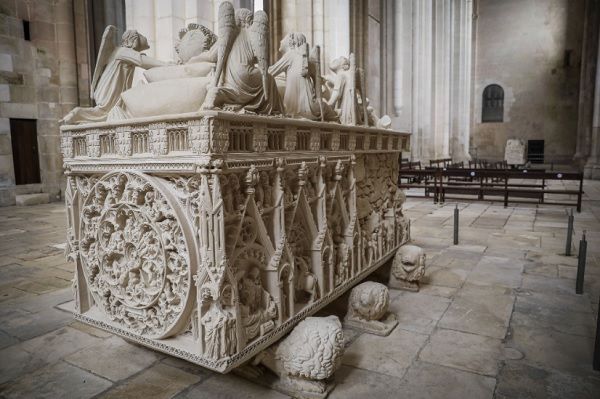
<point x="211" y="254"/>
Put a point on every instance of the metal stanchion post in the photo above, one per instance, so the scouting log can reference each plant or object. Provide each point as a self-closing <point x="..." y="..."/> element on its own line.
<point x="581" y="265"/>
<point x="597" y="344"/>
<point x="456" y="225"/>
<point x="569" y="234"/>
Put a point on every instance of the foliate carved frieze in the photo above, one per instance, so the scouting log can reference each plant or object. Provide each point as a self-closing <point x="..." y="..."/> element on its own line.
<point x="335" y="140"/>
<point x="315" y="140"/>
<point x="259" y="137"/>
<point x="199" y="136"/>
<point x="158" y="138"/>
<point x="93" y="144"/>
<point x="352" y="142"/>
<point x="290" y="139"/>
<point x="66" y="144"/>
<point x="123" y="141"/>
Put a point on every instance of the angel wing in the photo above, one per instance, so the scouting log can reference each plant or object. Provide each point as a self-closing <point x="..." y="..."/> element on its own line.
<point x="227" y="34"/>
<point x="259" y="38"/>
<point x="107" y="46"/>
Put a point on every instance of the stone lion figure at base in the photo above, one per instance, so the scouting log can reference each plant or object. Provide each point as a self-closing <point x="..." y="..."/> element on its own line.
<point x="307" y="358"/>
<point x="368" y="309"/>
<point x="408" y="268"/>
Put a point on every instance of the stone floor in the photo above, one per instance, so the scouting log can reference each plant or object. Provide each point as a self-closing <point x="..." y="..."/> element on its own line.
<point x="497" y="317"/>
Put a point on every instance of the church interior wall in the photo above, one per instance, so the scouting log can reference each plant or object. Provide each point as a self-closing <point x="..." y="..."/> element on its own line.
<point x="533" y="50"/>
<point x="38" y="81"/>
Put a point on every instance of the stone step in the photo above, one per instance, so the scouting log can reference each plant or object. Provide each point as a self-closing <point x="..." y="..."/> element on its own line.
<point x="32" y="199"/>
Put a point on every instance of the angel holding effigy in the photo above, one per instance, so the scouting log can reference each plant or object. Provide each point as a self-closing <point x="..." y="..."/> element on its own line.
<point x="241" y="80"/>
<point x="113" y="75"/>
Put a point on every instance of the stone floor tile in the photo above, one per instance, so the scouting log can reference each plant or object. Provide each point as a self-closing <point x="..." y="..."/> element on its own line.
<point x="16" y="362"/>
<point x="438" y="290"/>
<point x="444" y="276"/>
<point x="483" y="310"/>
<point x="100" y="358"/>
<point x="159" y="381"/>
<point x="497" y="271"/>
<point x="57" y="344"/>
<point x="430" y="381"/>
<point x="390" y="355"/>
<point x="59" y="380"/>
<point x="229" y="386"/>
<point x="418" y="312"/>
<point x="548" y="285"/>
<point x="561" y="313"/>
<point x="464" y="351"/>
<point x="96" y="332"/>
<point x="518" y="380"/>
<point x="26" y="326"/>
<point x="540" y="269"/>
<point x="7" y="340"/>
<point x="554" y="350"/>
<point x="353" y="383"/>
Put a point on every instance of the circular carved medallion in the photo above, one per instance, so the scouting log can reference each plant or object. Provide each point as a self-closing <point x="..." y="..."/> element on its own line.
<point x="135" y="254"/>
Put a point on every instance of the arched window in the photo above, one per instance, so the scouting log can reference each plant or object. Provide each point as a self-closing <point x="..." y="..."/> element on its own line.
<point x="492" y="105"/>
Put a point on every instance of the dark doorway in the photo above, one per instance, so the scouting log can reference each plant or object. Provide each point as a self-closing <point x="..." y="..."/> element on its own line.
<point x="535" y="151"/>
<point x="23" y="134"/>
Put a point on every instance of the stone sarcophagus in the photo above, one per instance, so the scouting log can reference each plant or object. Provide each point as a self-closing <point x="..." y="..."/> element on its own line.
<point x="208" y="236"/>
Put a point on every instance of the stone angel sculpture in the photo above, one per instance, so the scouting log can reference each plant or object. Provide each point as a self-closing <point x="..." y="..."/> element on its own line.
<point x="241" y="80"/>
<point x="302" y="92"/>
<point x="113" y="75"/>
<point x="343" y="84"/>
<point x="347" y="94"/>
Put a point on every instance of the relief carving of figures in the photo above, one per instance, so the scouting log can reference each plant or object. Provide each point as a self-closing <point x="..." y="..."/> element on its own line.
<point x="134" y="254"/>
<point x="258" y="309"/>
<point x="219" y="327"/>
<point x="113" y="75"/>
<point x="242" y="63"/>
<point x="300" y="65"/>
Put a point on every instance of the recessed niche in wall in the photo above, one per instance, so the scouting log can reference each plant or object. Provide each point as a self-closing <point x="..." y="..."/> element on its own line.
<point x="492" y="104"/>
<point x="535" y="151"/>
<point x="23" y="135"/>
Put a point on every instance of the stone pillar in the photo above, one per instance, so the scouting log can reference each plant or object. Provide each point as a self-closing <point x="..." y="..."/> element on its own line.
<point x="433" y="47"/>
<point x="461" y="79"/>
<point x="592" y="167"/>
<point x="422" y="97"/>
<point x="403" y="59"/>
<point x="442" y="64"/>
<point x="589" y="59"/>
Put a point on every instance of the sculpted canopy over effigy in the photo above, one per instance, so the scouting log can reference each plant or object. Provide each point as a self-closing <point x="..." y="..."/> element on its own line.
<point x="210" y="230"/>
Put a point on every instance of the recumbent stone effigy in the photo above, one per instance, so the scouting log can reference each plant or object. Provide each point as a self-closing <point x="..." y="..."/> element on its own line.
<point x="209" y="235"/>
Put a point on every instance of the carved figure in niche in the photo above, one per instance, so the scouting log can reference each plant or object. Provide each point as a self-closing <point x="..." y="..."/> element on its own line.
<point x="219" y="327"/>
<point x="368" y="309"/>
<point x="113" y="75"/>
<point x="227" y="194"/>
<point x="408" y="268"/>
<point x="306" y="283"/>
<point x="300" y="65"/>
<point x="264" y="191"/>
<point x="242" y="62"/>
<point x="307" y="358"/>
<point x="258" y="309"/>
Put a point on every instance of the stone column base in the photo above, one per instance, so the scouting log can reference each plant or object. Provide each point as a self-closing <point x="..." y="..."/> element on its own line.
<point x="592" y="171"/>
